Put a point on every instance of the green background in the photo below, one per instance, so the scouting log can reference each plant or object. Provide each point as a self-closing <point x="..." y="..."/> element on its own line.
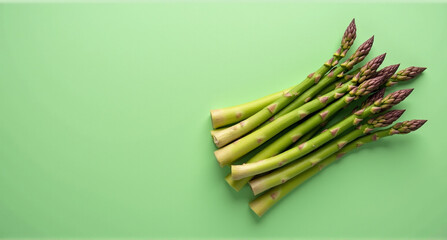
<point x="104" y="127"/>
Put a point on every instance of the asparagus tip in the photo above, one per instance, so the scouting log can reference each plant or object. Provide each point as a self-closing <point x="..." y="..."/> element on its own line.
<point x="414" y="71"/>
<point x="346" y="42"/>
<point x="351" y="29"/>
<point x="369" y="69"/>
<point x="368" y="86"/>
<point x="388" y="71"/>
<point x="406" y="74"/>
<point x="386" y="119"/>
<point x="407" y="126"/>
<point x="366" y="46"/>
<point x="395" y="98"/>
<point x="416" y="124"/>
<point x="359" y="54"/>
<point x="420" y="123"/>
<point x="379" y="59"/>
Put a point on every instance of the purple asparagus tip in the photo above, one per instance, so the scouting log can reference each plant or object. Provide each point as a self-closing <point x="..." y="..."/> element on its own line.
<point x="386" y="119"/>
<point x="393" y="98"/>
<point x="346" y="43"/>
<point x="405" y="75"/>
<point x="407" y="126"/>
<point x="388" y="71"/>
<point x="369" y="69"/>
<point x="364" y="49"/>
<point x="359" y="54"/>
<point x="368" y="86"/>
<point x="375" y="62"/>
<point x="350" y="34"/>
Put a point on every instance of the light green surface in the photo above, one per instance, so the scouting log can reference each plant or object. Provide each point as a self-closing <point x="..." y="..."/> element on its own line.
<point x="104" y="127"/>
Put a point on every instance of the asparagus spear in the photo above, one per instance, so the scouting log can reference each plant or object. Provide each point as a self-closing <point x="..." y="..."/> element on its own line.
<point x="230" y="115"/>
<point x="293" y="135"/>
<point x="286" y="173"/>
<point x="234" y="151"/>
<point x="264" y="202"/>
<point x="338" y="72"/>
<point x="251" y="169"/>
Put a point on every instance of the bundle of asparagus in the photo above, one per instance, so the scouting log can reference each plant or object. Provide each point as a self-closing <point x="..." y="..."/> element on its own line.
<point x="297" y="116"/>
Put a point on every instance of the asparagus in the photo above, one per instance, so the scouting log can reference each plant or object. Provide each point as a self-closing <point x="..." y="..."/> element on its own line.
<point x="224" y="136"/>
<point x="293" y="135"/>
<point x="405" y="75"/>
<point x="264" y="202"/>
<point x="338" y="72"/>
<point x="286" y="173"/>
<point x="251" y="169"/>
<point x="234" y="151"/>
<point x="229" y="115"/>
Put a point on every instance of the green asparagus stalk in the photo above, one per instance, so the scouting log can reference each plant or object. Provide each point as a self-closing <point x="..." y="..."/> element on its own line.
<point x="338" y="72"/>
<point x="230" y="115"/>
<point x="294" y="135"/>
<point x="224" y="136"/>
<point x="264" y="202"/>
<point x="286" y="173"/>
<point x="251" y="169"/>
<point x="234" y="151"/>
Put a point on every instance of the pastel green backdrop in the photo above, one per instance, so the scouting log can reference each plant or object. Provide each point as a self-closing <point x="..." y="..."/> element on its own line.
<point x="104" y="127"/>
